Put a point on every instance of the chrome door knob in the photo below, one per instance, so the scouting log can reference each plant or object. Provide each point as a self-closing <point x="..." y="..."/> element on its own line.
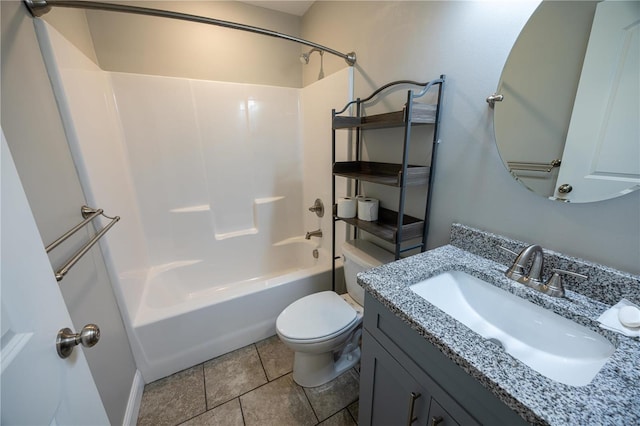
<point x="492" y="99"/>
<point x="67" y="339"/>
<point x="565" y="188"/>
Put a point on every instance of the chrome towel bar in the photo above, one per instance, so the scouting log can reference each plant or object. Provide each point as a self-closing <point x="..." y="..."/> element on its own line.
<point x="534" y="167"/>
<point x="88" y="214"/>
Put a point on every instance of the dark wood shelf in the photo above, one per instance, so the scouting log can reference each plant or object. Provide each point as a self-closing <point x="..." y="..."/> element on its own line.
<point x="386" y="227"/>
<point x="381" y="173"/>
<point x="422" y="115"/>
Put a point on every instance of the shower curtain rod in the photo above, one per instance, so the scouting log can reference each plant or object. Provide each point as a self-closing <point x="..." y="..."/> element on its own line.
<point x="41" y="7"/>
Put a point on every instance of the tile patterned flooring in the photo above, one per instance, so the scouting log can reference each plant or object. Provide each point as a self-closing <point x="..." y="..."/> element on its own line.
<point x="250" y="386"/>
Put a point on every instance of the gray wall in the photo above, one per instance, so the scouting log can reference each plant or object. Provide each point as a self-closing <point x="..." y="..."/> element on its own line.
<point x="470" y="42"/>
<point x="36" y="138"/>
<point x="149" y="45"/>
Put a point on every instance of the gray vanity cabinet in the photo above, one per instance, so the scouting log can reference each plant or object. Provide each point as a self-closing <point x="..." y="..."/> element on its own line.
<point x="393" y="396"/>
<point x="405" y="380"/>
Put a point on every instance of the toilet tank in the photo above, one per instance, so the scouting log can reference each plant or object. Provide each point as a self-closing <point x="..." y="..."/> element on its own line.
<point x="359" y="256"/>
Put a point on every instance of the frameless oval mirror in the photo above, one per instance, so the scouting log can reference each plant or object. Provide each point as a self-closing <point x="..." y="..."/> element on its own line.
<point x="568" y="125"/>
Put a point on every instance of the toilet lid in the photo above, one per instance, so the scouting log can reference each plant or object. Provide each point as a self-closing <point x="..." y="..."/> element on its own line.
<point x="314" y="316"/>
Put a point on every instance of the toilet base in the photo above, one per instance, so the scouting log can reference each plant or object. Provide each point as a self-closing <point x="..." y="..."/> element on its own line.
<point x="311" y="370"/>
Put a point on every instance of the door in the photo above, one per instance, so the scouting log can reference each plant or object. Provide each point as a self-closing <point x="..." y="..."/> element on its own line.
<point x="389" y="395"/>
<point x="602" y="153"/>
<point x="37" y="386"/>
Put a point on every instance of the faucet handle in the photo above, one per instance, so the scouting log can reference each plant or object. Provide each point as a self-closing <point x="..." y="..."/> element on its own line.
<point x="554" y="284"/>
<point x="317" y="208"/>
<point x="508" y="251"/>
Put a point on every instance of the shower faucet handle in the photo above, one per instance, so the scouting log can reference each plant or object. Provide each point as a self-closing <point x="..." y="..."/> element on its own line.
<point x="317" y="208"/>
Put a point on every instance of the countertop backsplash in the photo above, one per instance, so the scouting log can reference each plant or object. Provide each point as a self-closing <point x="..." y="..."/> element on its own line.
<point x="604" y="284"/>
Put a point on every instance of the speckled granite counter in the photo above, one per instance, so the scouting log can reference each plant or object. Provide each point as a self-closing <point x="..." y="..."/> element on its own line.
<point x="613" y="397"/>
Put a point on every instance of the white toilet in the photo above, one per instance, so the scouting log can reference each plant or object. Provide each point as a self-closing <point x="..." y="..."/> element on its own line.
<point x="324" y="329"/>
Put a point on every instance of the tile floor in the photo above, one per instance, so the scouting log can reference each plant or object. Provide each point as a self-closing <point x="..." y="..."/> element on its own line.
<point x="250" y="386"/>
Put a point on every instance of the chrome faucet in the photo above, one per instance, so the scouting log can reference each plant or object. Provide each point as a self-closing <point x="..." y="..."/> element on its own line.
<point x="517" y="270"/>
<point x="317" y="233"/>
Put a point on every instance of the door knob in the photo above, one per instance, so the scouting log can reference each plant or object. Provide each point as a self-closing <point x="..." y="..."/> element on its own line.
<point x="565" y="188"/>
<point x="67" y="339"/>
<point x="492" y="99"/>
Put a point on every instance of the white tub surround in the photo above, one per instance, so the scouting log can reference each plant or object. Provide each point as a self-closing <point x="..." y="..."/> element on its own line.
<point x="208" y="180"/>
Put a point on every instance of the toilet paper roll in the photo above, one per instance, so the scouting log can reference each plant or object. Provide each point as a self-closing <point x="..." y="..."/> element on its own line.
<point x="368" y="209"/>
<point x="347" y="207"/>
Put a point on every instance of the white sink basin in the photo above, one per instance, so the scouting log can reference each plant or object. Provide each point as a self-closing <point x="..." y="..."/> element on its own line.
<point x="554" y="346"/>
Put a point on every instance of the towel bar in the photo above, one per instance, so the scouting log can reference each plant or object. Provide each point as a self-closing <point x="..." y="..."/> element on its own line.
<point x="63" y="271"/>
<point x="88" y="214"/>
<point x="534" y="167"/>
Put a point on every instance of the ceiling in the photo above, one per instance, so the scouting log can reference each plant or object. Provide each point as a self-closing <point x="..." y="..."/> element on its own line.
<point x="293" y="7"/>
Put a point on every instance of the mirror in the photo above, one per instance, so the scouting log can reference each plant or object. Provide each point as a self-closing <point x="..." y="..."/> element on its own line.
<point x="567" y="127"/>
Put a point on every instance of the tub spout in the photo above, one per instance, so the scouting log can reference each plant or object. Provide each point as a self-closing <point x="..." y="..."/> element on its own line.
<point x="317" y="233"/>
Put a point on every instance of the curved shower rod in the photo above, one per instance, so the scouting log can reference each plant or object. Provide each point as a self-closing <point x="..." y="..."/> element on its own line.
<point x="41" y="7"/>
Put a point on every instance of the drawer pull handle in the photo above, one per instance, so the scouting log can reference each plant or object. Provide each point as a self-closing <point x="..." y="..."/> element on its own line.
<point x="435" y="421"/>
<point x="412" y="403"/>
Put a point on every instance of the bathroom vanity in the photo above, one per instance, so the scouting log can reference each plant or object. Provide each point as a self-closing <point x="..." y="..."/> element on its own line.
<point x="422" y="366"/>
<point x="405" y="377"/>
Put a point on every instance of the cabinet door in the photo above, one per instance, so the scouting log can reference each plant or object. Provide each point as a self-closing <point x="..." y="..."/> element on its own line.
<point x="438" y="416"/>
<point x="389" y="395"/>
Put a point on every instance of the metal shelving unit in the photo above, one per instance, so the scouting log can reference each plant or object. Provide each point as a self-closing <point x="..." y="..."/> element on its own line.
<point x="392" y="226"/>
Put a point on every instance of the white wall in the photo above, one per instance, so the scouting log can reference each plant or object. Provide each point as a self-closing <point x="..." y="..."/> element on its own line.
<point x="470" y="42"/>
<point x="317" y="100"/>
<point x="216" y="168"/>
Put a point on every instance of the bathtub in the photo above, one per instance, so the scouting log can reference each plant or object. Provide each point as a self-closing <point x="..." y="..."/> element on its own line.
<point x="193" y="263"/>
<point x="188" y="315"/>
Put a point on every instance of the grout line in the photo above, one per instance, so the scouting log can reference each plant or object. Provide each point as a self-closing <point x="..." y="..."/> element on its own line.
<point x="304" y="391"/>
<point x="244" y="422"/>
<point x="204" y="384"/>
<point x="264" y="370"/>
<point x="351" y="414"/>
<point x="238" y="396"/>
<point x="205" y="393"/>
<point x="250" y="390"/>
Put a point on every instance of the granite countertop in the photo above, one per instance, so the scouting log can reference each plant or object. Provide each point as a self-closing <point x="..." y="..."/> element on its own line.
<point x="613" y="396"/>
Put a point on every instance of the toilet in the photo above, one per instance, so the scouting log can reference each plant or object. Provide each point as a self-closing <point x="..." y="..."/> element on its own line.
<point x="324" y="329"/>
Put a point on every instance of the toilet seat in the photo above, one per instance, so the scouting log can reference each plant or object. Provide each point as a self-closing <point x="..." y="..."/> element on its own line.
<point x="317" y="317"/>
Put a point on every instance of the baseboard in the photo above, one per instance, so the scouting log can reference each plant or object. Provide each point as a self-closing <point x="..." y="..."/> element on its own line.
<point x="135" y="397"/>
